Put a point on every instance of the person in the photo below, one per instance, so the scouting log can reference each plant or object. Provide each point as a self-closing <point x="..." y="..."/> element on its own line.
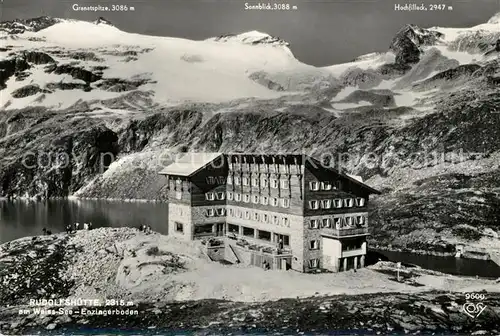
<point x="90" y="226"/>
<point x="140" y="227"/>
<point x="44" y="230"/>
<point x="68" y="229"/>
<point x="85" y="226"/>
<point x="49" y="232"/>
<point x="77" y="226"/>
<point x="281" y="244"/>
<point x="149" y="229"/>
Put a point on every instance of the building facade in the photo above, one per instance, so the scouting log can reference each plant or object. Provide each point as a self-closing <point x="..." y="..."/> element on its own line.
<point x="285" y="211"/>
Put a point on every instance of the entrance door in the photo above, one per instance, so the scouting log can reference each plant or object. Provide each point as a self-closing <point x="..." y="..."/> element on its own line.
<point x="219" y="230"/>
<point x="350" y="263"/>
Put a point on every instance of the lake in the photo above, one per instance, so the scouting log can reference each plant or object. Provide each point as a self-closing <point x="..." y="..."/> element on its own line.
<point x="20" y="218"/>
<point x="450" y="265"/>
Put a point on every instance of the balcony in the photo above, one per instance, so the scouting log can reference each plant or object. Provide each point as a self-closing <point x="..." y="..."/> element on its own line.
<point x="353" y="253"/>
<point x="363" y="231"/>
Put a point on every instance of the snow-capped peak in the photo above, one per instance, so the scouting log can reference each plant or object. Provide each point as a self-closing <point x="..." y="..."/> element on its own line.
<point x="252" y="37"/>
<point x="418" y="36"/>
<point x="102" y="20"/>
<point x="495" y="19"/>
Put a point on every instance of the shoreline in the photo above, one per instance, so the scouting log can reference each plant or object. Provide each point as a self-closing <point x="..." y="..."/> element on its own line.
<point x="472" y="254"/>
<point x="78" y="198"/>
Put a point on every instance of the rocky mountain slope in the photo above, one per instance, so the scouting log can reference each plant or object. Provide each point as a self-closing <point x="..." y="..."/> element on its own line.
<point x="86" y="106"/>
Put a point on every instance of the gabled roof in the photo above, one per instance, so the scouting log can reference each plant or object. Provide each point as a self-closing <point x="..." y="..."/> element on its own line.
<point x="353" y="178"/>
<point x="190" y="163"/>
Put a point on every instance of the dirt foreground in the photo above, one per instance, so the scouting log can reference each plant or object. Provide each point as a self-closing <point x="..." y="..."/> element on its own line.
<point x="171" y="285"/>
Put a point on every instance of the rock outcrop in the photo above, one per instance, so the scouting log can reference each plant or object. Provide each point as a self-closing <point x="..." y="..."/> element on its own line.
<point x="19" y="26"/>
<point x="406" y="44"/>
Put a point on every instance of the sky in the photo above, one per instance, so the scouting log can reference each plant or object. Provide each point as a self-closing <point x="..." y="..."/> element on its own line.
<point x="320" y="32"/>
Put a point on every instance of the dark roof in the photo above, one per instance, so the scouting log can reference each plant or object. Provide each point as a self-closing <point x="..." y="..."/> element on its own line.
<point x="346" y="176"/>
<point x="191" y="163"/>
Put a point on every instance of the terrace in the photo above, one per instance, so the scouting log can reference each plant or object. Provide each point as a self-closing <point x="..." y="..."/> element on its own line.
<point x="338" y="233"/>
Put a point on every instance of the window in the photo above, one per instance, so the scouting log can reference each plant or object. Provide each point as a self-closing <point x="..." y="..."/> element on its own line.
<point x="255" y="182"/>
<point x="337" y="222"/>
<point x="326" y="186"/>
<point x="231" y="212"/>
<point x="264" y="200"/>
<point x="210" y="196"/>
<point x="246" y="198"/>
<point x="348" y="202"/>
<point x="210" y="212"/>
<point x="284" y="238"/>
<point x="256" y="199"/>
<point x="274" y="201"/>
<point x="285" y="222"/>
<point x="231" y="228"/>
<point x="240" y="214"/>
<point x="264" y="235"/>
<point x="245" y="181"/>
<point x="247" y="214"/>
<point x="256" y="216"/>
<point x="326" y="222"/>
<point x="220" y="195"/>
<point x="360" y="201"/>
<point x="361" y="220"/>
<point x="314" y="244"/>
<point x="285" y="202"/>
<point x="179" y="227"/>
<point x="229" y="180"/>
<point x="221" y="212"/>
<point x="237" y="180"/>
<point x="284" y="184"/>
<point x="274" y="183"/>
<point x="203" y="228"/>
<point x="313" y="224"/>
<point x="348" y="221"/>
<point x="326" y="204"/>
<point x="237" y="197"/>
<point x="265" y="218"/>
<point x="249" y="232"/>
<point x="230" y="195"/>
<point x="313" y="205"/>
<point x="265" y="182"/>
<point x="275" y="220"/>
<point x="314" y="263"/>
<point x="178" y="195"/>
<point x="337" y="203"/>
<point x="314" y="186"/>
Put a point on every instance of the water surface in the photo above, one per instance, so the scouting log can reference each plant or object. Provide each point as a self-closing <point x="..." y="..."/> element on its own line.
<point x="20" y="218"/>
<point x="450" y="265"/>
